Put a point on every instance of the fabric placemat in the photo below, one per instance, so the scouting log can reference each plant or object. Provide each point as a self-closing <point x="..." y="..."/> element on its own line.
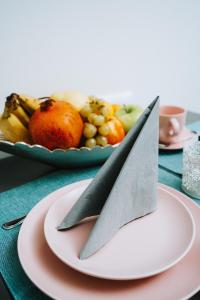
<point x="172" y="160"/>
<point x="19" y="201"/>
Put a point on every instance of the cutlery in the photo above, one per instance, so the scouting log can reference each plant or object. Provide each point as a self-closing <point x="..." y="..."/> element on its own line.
<point x="170" y="171"/>
<point x="13" y="223"/>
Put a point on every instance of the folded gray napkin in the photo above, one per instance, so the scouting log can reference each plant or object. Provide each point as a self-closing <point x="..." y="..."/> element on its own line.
<point x="125" y="188"/>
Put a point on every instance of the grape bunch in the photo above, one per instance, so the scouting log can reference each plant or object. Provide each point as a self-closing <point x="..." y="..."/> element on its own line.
<point x="97" y="125"/>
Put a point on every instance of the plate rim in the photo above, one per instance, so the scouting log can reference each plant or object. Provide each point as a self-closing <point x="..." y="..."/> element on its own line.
<point x="117" y="277"/>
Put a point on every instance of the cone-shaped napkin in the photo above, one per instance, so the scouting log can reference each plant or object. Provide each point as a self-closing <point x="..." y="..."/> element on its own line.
<point x="125" y="188"/>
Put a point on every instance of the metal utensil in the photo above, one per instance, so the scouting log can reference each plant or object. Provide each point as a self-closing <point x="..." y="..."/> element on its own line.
<point x="13" y="223"/>
<point x="170" y="171"/>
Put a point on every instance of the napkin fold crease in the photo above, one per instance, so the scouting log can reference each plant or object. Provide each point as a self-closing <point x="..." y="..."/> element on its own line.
<point x="125" y="188"/>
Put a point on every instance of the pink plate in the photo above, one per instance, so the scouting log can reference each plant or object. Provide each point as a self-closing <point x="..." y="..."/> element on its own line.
<point x="61" y="282"/>
<point x="184" y="138"/>
<point x="145" y="247"/>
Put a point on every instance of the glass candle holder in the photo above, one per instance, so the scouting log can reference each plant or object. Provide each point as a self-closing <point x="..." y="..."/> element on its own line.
<point x="191" y="169"/>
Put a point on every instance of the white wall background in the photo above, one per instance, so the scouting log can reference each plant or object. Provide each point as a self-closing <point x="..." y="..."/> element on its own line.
<point x="151" y="47"/>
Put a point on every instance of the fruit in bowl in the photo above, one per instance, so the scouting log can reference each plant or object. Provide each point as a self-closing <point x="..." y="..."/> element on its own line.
<point x="101" y="126"/>
<point x="77" y="99"/>
<point x="128" y="115"/>
<point x="16" y="116"/>
<point x="66" y="120"/>
<point x="116" y="131"/>
<point x="56" y="124"/>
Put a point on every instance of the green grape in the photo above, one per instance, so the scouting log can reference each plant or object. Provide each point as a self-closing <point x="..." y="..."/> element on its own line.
<point x="90" y="143"/>
<point x="91" y="117"/>
<point x="89" y="130"/>
<point x="106" y="111"/>
<point x="101" y="140"/>
<point x="86" y="110"/>
<point x="104" y="129"/>
<point x="98" y="120"/>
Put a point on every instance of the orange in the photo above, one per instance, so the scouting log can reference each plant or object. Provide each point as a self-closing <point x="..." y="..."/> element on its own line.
<point x="117" y="132"/>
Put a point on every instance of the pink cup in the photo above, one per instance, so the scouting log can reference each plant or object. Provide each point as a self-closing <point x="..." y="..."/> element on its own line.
<point x="172" y="122"/>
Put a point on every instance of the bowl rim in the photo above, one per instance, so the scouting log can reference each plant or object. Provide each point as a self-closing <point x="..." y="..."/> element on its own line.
<point x="32" y="146"/>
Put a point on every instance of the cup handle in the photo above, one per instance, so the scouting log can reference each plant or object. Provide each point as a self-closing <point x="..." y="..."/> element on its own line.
<point x="174" y="127"/>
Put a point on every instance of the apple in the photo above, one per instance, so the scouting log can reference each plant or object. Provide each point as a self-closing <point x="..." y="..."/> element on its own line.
<point x="128" y="115"/>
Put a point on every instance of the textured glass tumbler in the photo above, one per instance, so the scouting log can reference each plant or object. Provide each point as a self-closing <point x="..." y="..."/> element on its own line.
<point x="191" y="169"/>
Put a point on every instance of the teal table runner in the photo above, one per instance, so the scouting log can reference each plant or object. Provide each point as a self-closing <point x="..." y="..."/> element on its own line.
<point x="172" y="160"/>
<point x="19" y="201"/>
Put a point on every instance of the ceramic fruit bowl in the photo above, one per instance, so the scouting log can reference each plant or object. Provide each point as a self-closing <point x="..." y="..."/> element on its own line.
<point x="72" y="157"/>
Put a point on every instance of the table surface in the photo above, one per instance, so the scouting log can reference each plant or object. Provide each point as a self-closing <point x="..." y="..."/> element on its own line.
<point x="16" y="171"/>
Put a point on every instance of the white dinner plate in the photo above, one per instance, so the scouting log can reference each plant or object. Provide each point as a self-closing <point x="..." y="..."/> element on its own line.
<point x="144" y="247"/>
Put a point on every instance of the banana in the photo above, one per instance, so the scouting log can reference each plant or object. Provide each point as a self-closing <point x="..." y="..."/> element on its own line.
<point x="22" y="116"/>
<point x="16" y="116"/>
<point x="28" y="103"/>
<point x="12" y="106"/>
<point x="13" y="129"/>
